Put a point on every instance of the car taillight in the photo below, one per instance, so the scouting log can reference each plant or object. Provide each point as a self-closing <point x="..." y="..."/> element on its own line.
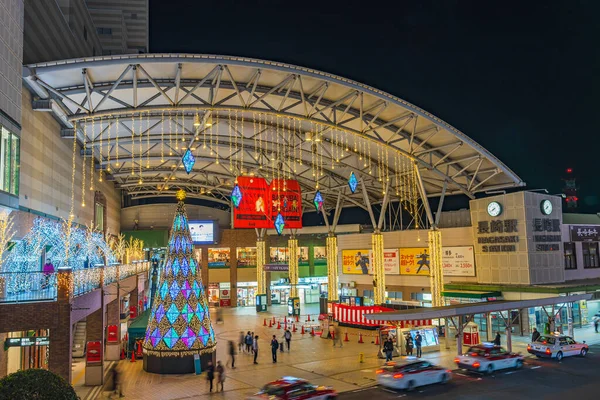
<point x="379" y="371"/>
<point x="474" y="354"/>
<point x="548" y="351"/>
<point x="457" y="360"/>
<point x="449" y="371"/>
<point x="528" y="347"/>
<point x="476" y="364"/>
<point x="398" y="376"/>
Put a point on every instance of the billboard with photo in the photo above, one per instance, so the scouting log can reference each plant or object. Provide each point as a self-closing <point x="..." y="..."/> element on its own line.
<point x="360" y="262"/>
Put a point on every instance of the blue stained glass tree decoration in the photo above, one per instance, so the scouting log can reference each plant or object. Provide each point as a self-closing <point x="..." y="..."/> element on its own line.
<point x="318" y="200"/>
<point x="188" y="160"/>
<point x="279" y="224"/>
<point x="352" y="182"/>
<point x="236" y="196"/>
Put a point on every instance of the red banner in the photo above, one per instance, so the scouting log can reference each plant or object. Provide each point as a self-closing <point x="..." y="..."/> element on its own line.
<point x="286" y="198"/>
<point x="94" y="352"/>
<point x="253" y="211"/>
<point x="133" y="312"/>
<point x="112" y="334"/>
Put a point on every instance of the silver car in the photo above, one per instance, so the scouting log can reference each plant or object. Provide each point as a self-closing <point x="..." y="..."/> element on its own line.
<point x="557" y="346"/>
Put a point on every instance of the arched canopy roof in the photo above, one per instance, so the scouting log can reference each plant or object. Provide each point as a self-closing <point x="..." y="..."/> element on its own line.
<point x="115" y="95"/>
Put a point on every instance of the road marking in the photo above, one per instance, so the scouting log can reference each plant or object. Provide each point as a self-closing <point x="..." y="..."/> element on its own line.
<point x="389" y="391"/>
<point x="366" y="370"/>
<point x="510" y="372"/>
<point x="536" y="367"/>
<point x="360" y="390"/>
<point x="458" y="373"/>
<point x="402" y="395"/>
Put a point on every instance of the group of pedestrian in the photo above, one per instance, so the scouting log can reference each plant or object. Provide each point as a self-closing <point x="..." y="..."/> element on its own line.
<point x="415" y="342"/>
<point x="210" y="375"/>
<point x="248" y="343"/>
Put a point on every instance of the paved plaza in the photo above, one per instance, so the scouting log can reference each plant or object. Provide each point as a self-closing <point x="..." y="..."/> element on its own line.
<point x="311" y="358"/>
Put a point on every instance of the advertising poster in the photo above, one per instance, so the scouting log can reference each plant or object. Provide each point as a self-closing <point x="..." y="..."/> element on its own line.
<point x="458" y="261"/>
<point x="218" y="257"/>
<point x="246" y="257"/>
<point x="286" y="198"/>
<point x="202" y="231"/>
<point x="94" y="353"/>
<point x="414" y="261"/>
<point x="253" y="211"/>
<point x="320" y="253"/>
<point x="360" y="262"/>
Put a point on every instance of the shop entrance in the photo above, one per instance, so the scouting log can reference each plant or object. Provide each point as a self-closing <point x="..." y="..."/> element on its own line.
<point x="24" y="357"/>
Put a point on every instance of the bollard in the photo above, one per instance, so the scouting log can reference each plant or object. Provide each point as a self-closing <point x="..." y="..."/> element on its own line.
<point x="312" y="331"/>
<point x="361" y="358"/>
<point x="346" y="338"/>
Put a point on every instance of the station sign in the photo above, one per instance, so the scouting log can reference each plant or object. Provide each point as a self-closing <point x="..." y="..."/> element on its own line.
<point x="27" y="341"/>
<point x="276" y="267"/>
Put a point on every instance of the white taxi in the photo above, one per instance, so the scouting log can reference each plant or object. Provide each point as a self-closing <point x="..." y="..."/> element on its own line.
<point x="488" y="358"/>
<point x="557" y="346"/>
<point x="411" y="375"/>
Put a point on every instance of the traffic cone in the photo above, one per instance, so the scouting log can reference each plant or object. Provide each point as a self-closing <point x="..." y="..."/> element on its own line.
<point x="270" y="323"/>
<point x="377" y="340"/>
<point x="265" y="322"/>
<point x="133" y="356"/>
<point x="285" y="325"/>
<point x="302" y="332"/>
<point x="122" y="354"/>
<point x="360" y="338"/>
<point x="273" y="320"/>
<point x="312" y="331"/>
<point x="346" y="338"/>
<point x="297" y="318"/>
<point x="278" y="325"/>
<point x="308" y="318"/>
<point x="294" y="329"/>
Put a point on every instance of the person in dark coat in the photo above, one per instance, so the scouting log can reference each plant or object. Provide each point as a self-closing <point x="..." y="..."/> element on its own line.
<point x="274" y="348"/>
<point x="409" y="345"/>
<point x="210" y="374"/>
<point x="248" y="342"/>
<point x="231" y="354"/>
<point x="418" y="341"/>
<point x="535" y="335"/>
<point x="220" y="375"/>
<point x="255" y="348"/>
<point x="388" y="349"/>
<point x="497" y="339"/>
<point x="117" y="380"/>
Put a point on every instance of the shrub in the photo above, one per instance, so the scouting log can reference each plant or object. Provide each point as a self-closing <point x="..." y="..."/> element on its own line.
<point x="35" y="384"/>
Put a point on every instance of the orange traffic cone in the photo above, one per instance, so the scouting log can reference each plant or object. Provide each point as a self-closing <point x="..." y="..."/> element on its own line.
<point x="133" y="356"/>
<point x="360" y="338"/>
<point x="285" y="325"/>
<point x="377" y="340"/>
<point x="308" y="318"/>
<point x="270" y="324"/>
<point x="302" y="331"/>
<point x="346" y="338"/>
<point x="297" y="318"/>
<point x="278" y="325"/>
<point x="273" y="320"/>
<point x="265" y="322"/>
<point x="312" y="331"/>
<point x="294" y="329"/>
<point x="122" y="354"/>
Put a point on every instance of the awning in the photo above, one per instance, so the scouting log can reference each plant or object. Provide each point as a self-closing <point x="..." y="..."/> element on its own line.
<point x="471" y="308"/>
<point x="472" y="294"/>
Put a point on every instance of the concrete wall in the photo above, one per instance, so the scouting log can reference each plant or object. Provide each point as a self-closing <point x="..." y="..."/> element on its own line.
<point x="135" y="14"/>
<point x="11" y="59"/>
<point x="46" y="167"/>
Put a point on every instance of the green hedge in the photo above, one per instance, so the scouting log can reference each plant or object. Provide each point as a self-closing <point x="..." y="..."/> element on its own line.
<point x="38" y="384"/>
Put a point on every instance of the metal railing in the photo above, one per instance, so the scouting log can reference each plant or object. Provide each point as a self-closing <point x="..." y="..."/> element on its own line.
<point x="39" y="286"/>
<point x="16" y="287"/>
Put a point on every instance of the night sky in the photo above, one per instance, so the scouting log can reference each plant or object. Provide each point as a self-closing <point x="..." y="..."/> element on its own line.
<point x="520" y="78"/>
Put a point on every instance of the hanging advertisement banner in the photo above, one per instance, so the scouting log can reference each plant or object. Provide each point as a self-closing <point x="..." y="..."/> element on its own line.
<point x="253" y="210"/>
<point x="458" y="261"/>
<point x="414" y="261"/>
<point x="360" y="262"/>
<point x="286" y="198"/>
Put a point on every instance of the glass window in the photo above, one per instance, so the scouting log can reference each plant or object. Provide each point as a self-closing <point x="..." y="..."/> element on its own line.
<point x="570" y="260"/>
<point x="590" y="254"/>
<point x="99" y="217"/>
<point x="9" y="162"/>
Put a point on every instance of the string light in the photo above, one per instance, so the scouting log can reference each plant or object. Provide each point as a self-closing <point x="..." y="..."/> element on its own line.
<point x="162" y="136"/>
<point x="332" y="268"/>
<point x="101" y="149"/>
<point x="108" y="165"/>
<point x="148" y="141"/>
<point x="84" y="163"/>
<point x="117" y="143"/>
<point x="92" y="158"/>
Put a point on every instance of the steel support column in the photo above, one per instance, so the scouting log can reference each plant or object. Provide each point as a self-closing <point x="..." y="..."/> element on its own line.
<point x="293" y="265"/>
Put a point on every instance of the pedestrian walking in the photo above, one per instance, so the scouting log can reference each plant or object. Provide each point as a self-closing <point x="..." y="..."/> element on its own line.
<point x="48" y="270"/>
<point x="118" y="381"/>
<point x="248" y="342"/>
<point x="497" y="339"/>
<point x="231" y="354"/>
<point x="210" y="374"/>
<point x="418" y="341"/>
<point x="288" y="338"/>
<point x="596" y="321"/>
<point x="337" y="336"/>
<point x="409" y="345"/>
<point x="242" y="342"/>
<point x="535" y="335"/>
<point x="274" y="347"/>
<point x="388" y="349"/>
<point x="220" y="375"/>
<point x="255" y="348"/>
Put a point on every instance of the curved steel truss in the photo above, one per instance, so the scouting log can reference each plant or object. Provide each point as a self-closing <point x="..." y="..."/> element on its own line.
<point x="137" y="96"/>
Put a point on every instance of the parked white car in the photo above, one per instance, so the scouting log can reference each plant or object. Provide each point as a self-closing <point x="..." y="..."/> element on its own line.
<point x="411" y="375"/>
<point x="488" y="358"/>
<point x="557" y="346"/>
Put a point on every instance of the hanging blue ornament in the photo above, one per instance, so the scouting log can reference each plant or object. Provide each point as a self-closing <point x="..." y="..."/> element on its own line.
<point x="279" y="224"/>
<point x="236" y="196"/>
<point x="188" y="161"/>
<point x="318" y="201"/>
<point x="352" y="182"/>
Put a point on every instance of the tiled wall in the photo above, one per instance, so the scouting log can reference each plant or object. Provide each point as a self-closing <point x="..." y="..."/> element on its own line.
<point x="11" y="57"/>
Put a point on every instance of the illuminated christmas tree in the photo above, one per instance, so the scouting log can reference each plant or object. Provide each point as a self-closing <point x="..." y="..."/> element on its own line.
<point x="179" y="325"/>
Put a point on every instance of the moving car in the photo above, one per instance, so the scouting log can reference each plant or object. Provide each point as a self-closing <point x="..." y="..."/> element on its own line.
<point x="557" y="346"/>
<point x="411" y="375"/>
<point x="488" y="358"/>
<point x="289" y="387"/>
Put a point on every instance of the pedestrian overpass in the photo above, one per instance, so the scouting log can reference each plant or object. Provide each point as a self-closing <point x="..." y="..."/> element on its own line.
<point x="461" y="314"/>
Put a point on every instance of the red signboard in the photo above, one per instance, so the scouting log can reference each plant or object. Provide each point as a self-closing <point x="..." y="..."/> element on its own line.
<point x="286" y="198"/>
<point x="133" y="312"/>
<point x="112" y="334"/>
<point x="94" y="352"/>
<point x="253" y="211"/>
<point x="225" y="302"/>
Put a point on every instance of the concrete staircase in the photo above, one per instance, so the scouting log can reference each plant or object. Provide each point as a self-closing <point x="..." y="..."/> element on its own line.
<point x="79" y="339"/>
